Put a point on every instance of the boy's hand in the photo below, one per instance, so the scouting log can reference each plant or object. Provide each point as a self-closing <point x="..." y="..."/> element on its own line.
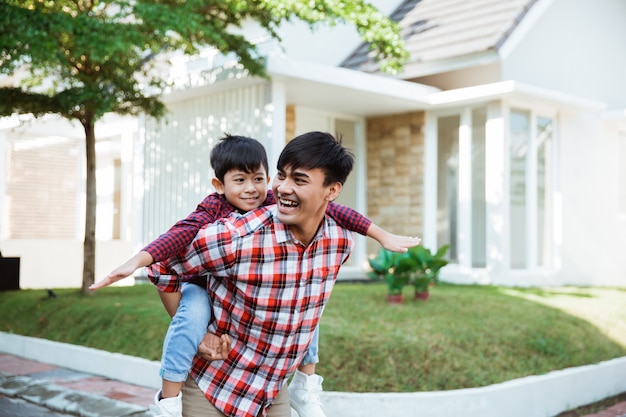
<point x="389" y="241"/>
<point x="214" y="347"/>
<point x="397" y="243"/>
<point x="125" y="270"/>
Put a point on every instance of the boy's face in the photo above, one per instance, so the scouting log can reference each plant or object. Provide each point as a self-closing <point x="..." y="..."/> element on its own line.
<point x="302" y="197"/>
<point x="244" y="190"/>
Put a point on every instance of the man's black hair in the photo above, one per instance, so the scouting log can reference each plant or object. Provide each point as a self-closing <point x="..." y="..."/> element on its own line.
<point x="237" y="152"/>
<point x="318" y="150"/>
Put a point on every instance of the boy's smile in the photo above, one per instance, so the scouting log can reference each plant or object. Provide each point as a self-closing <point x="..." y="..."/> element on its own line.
<point x="244" y="190"/>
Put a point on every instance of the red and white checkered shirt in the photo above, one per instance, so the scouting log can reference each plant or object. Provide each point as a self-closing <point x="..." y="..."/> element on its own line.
<point x="268" y="294"/>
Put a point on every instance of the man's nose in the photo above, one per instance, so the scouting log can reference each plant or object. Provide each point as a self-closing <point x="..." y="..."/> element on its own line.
<point x="285" y="186"/>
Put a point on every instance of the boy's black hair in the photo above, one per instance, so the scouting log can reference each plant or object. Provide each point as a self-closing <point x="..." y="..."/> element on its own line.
<point x="318" y="150"/>
<point x="237" y="152"/>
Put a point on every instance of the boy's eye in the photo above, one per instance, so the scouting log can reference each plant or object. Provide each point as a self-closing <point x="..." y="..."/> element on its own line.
<point x="259" y="179"/>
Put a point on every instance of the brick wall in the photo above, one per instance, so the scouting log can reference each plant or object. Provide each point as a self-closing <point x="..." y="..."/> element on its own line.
<point x="43" y="178"/>
<point x="395" y="173"/>
<point x="290" y="122"/>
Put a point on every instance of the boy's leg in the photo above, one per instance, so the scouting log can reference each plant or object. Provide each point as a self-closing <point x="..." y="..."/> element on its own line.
<point x="170" y="301"/>
<point x="305" y="387"/>
<point x="184" y="334"/>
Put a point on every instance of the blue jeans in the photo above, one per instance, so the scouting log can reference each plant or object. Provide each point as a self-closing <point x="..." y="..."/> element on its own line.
<point x="186" y="330"/>
<point x="312" y="352"/>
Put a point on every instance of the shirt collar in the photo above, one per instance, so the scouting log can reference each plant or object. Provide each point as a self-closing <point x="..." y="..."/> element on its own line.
<point x="283" y="234"/>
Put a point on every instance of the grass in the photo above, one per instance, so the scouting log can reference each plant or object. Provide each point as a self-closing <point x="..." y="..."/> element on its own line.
<point x="464" y="336"/>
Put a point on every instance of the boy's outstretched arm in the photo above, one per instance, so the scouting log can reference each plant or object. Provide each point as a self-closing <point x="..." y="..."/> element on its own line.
<point x="389" y="241"/>
<point x="354" y="221"/>
<point x="169" y="243"/>
<point x="140" y="260"/>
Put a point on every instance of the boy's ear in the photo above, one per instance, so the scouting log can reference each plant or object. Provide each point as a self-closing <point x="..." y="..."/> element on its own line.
<point x="217" y="185"/>
<point x="333" y="191"/>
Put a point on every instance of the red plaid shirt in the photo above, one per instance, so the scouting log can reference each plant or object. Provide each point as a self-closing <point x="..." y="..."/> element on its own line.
<point x="215" y="207"/>
<point x="268" y="292"/>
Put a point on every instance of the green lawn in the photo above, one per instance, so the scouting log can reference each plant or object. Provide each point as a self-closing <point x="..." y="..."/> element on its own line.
<point x="464" y="336"/>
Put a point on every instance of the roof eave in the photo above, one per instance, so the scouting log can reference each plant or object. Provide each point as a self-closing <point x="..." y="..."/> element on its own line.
<point x="346" y="91"/>
<point x="422" y="69"/>
<point x="511" y="89"/>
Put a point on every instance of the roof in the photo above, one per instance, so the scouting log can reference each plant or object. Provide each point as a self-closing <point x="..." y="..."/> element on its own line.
<point x="438" y="30"/>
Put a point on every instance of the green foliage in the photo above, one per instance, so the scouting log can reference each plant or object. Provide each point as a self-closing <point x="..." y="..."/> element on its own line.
<point x="418" y="266"/>
<point x="85" y="59"/>
<point x="463" y="337"/>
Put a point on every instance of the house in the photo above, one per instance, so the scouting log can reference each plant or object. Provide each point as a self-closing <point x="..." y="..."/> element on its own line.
<point x="504" y="137"/>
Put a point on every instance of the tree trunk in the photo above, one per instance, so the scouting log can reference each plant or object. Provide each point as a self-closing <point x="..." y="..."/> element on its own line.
<point x="89" y="246"/>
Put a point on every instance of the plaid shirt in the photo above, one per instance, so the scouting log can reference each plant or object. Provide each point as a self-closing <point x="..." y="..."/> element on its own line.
<point x="268" y="293"/>
<point x="215" y="207"/>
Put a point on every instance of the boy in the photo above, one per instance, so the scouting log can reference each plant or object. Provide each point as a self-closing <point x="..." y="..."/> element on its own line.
<point x="241" y="178"/>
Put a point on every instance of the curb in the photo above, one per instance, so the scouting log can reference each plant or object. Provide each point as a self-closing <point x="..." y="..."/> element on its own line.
<point x="532" y="396"/>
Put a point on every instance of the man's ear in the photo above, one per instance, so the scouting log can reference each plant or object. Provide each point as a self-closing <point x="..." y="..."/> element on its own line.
<point x="333" y="191"/>
<point x="217" y="185"/>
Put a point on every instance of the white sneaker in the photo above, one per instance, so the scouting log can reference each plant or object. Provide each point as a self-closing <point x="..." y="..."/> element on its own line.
<point x="167" y="407"/>
<point x="304" y="395"/>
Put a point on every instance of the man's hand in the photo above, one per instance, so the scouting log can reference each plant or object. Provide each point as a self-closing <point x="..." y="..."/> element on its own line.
<point x="214" y="347"/>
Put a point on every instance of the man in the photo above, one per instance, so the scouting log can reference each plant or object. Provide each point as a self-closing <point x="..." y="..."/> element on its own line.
<point x="274" y="269"/>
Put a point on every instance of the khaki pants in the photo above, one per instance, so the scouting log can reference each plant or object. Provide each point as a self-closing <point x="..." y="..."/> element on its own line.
<point x="195" y="404"/>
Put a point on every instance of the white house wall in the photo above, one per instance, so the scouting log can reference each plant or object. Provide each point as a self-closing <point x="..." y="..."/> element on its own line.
<point x="573" y="46"/>
<point x="177" y="150"/>
<point x="51" y="252"/>
<point x="593" y="226"/>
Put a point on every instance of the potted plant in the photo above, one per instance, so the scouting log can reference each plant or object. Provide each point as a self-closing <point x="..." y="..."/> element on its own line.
<point x="391" y="267"/>
<point x="425" y="270"/>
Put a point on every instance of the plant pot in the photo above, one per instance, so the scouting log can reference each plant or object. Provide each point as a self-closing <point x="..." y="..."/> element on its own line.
<point x="422" y="295"/>
<point x="395" y="298"/>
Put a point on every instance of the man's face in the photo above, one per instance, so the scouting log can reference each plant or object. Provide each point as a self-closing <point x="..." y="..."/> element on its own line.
<point x="302" y="197"/>
<point x="246" y="191"/>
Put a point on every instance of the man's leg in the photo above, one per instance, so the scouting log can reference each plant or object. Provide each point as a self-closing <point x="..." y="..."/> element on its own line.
<point x="305" y="387"/>
<point x="195" y="404"/>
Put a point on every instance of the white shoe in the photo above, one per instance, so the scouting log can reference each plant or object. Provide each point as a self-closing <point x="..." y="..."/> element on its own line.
<point x="167" y="407"/>
<point x="304" y="395"/>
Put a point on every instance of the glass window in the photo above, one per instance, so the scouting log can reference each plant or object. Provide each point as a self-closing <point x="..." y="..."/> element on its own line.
<point x="479" y="206"/>
<point x="447" y="183"/>
<point x="544" y="190"/>
<point x="519" y="140"/>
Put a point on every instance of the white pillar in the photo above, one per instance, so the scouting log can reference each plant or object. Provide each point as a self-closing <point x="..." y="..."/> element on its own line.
<point x="497" y="191"/>
<point x="278" y="124"/>
<point x="429" y="239"/>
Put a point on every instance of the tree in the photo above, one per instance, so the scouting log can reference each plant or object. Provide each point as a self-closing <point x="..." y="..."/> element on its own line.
<point x="85" y="58"/>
